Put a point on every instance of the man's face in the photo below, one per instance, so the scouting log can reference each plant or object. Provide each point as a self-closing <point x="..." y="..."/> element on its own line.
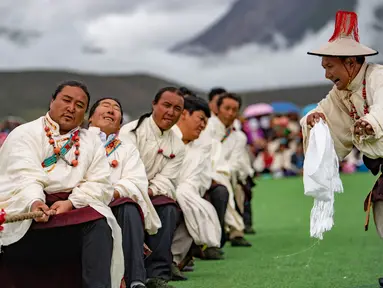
<point x="228" y="111"/>
<point x="213" y="104"/>
<point x="337" y="71"/>
<point x="193" y="124"/>
<point x="69" y="107"/>
<point x="107" y="116"/>
<point x="168" y="110"/>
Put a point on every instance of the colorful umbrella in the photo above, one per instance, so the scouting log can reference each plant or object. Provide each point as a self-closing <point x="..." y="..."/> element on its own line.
<point x="285" y="107"/>
<point x="256" y="110"/>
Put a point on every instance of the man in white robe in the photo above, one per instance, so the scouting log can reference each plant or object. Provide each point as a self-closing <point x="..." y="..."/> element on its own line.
<point x="162" y="153"/>
<point x="129" y="180"/>
<point x="353" y="109"/>
<point x="221" y="129"/>
<point x="243" y="183"/>
<point x="52" y="165"/>
<point x="201" y="224"/>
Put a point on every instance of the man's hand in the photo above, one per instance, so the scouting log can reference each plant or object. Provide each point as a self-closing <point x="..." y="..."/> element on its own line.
<point x="41" y="206"/>
<point x="62" y="206"/>
<point x="314" y="118"/>
<point x="363" y="127"/>
<point x="150" y="192"/>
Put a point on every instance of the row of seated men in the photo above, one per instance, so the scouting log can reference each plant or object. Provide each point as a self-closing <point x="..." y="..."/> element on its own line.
<point x="128" y="205"/>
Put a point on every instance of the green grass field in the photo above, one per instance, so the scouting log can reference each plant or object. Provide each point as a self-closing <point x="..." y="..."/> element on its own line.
<point x="347" y="257"/>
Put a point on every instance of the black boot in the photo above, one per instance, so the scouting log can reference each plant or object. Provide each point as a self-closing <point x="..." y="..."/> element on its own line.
<point x="240" y="242"/>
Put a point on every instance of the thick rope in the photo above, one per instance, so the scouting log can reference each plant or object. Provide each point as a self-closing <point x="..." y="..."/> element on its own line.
<point x="26" y="216"/>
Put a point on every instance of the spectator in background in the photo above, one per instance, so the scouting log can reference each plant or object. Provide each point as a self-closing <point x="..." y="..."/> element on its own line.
<point x="297" y="159"/>
<point x="213" y="98"/>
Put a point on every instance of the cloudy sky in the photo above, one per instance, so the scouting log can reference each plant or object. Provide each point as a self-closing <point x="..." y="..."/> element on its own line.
<point x="135" y="36"/>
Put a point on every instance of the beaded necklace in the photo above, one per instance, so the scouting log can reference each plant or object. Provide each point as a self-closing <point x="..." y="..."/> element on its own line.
<point x="353" y="113"/>
<point x="61" y="152"/>
<point x="110" y="147"/>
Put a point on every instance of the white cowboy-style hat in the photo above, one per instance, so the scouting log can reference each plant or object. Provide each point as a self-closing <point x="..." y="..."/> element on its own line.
<point x="345" y="40"/>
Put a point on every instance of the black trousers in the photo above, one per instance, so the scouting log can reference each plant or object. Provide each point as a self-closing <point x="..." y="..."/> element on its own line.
<point x="158" y="264"/>
<point x="219" y="198"/>
<point x="50" y="257"/>
<point x="133" y="236"/>
<point x="247" y="213"/>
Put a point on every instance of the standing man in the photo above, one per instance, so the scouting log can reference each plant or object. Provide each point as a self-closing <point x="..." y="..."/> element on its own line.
<point x="353" y="109"/>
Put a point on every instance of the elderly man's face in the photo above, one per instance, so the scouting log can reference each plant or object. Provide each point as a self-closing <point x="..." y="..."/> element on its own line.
<point x="339" y="71"/>
<point x="107" y="116"/>
<point x="69" y="107"/>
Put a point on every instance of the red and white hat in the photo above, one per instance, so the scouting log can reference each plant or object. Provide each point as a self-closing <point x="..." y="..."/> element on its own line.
<point x="345" y="40"/>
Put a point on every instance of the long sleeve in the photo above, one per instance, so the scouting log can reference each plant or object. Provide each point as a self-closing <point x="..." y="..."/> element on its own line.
<point x="192" y="167"/>
<point x="22" y="166"/>
<point x="375" y="115"/>
<point x="97" y="184"/>
<point x="338" y="120"/>
<point x="165" y="182"/>
<point x="133" y="180"/>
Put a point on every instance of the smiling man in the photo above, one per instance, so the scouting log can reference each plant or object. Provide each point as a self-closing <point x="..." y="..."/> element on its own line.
<point x="130" y="188"/>
<point x="52" y="165"/>
<point x="353" y="109"/>
<point x="162" y="153"/>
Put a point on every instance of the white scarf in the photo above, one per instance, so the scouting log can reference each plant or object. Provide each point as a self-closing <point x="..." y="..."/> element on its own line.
<point x="321" y="178"/>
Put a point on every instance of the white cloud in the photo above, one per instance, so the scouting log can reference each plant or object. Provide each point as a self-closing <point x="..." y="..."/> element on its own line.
<point x="136" y="36"/>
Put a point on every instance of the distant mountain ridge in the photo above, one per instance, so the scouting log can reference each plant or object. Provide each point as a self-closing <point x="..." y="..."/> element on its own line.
<point x="277" y="24"/>
<point x="27" y="94"/>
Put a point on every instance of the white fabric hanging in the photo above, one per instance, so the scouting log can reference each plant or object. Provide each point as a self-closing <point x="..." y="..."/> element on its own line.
<point x="321" y="178"/>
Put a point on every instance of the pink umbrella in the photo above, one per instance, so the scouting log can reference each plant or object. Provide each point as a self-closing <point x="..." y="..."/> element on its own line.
<point x="256" y="110"/>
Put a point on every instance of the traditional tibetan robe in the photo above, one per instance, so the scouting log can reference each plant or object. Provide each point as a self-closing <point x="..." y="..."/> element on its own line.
<point x="337" y="108"/>
<point x="162" y="153"/>
<point x="240" y="159"/>
<point x="200" y="216"/>
<point x="23" y="180"/>
<point x="224" y="169"/>
<point x="129" y="176"/>
<point x="162" y="170"/>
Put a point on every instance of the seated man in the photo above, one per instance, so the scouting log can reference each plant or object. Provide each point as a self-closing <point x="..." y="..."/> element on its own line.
<point x="162" y="153"/>
<point x="201" y="223"/>
<point x="220" y="129"/>
<point x="130" y="182"/>
<point x="52" y="165"/>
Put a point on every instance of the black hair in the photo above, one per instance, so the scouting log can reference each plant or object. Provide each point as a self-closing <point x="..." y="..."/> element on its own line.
<point x="97" y="103"/>
<point x="229" y="96"/>
<point x="193" y="104"/>
<point x="187" y="92"/>
<point x="72" y="83"/>
<point x="359" y="59"/>
<point x="216" y="91"/>
<point x="157" y="98"/>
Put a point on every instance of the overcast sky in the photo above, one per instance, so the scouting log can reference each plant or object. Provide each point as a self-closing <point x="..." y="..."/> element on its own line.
<point x="136" y="35"/>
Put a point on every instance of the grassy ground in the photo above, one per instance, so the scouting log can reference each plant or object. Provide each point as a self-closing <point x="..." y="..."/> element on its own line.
<point x="348" y="256"/>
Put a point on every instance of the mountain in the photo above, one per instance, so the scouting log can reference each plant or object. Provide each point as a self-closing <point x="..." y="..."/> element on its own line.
<point x="272" y="23"/>
<point x="32" y="91"/>
<point x="27" y="94"/>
